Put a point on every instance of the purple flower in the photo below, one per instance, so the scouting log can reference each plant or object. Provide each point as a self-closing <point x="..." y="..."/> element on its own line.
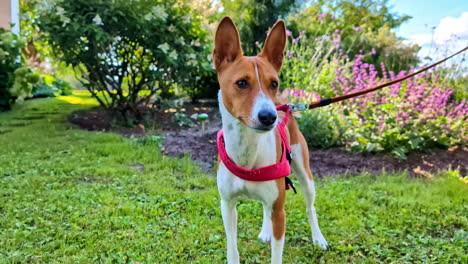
<point x="357" y="29"/>
<point x="373" y="52"/>
<point x="288" y="32"/>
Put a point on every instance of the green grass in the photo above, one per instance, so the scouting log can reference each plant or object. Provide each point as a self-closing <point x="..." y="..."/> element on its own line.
<point x="70" y="196"/>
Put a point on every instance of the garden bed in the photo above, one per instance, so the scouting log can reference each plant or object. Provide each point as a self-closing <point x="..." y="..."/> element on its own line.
<point x="181" y="140"/>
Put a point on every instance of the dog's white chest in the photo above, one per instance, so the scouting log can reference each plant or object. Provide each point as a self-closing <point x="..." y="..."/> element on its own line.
<point x="231" y="186"/>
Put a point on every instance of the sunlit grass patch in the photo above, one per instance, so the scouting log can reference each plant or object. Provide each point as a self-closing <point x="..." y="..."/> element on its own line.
<point x="79" y="97"/>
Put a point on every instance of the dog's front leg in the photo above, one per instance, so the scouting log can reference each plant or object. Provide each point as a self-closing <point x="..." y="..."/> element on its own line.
<point x="278" y="219"/>
<point x="265" y="234"/>
<point x="229" y="212"/>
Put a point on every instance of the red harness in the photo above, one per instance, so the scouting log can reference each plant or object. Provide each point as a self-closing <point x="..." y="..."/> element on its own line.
<point x="267" y="173"/>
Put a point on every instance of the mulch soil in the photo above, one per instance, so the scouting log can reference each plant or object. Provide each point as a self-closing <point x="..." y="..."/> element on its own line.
<point x="180" y="141"/>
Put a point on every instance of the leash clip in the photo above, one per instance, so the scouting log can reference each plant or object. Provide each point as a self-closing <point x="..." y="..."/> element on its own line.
<point x="297" y="107"/>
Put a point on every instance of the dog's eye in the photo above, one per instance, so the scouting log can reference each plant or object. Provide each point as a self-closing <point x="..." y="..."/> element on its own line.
<point x="274" y="85"/>
<point x="242" y="84"/>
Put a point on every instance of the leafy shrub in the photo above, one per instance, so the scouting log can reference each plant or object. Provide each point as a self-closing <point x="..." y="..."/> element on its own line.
<point x="24" y="79"/>
<point x="128" y="51"/>
<point x="16" y="82"/>
<point x="50" y="86"/>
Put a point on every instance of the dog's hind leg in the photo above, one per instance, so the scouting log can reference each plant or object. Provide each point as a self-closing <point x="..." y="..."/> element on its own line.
<point x="229" y="212"/>
<point x="301" y="169"/>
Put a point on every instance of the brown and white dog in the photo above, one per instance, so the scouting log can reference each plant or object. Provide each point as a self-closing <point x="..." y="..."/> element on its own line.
<point x="247" y="100"/>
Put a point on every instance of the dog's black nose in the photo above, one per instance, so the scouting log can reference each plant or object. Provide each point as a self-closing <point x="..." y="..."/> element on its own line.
<point x="267" y="117"/>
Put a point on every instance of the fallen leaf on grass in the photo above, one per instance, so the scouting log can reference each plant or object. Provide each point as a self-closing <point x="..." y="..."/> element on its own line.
<point x="419" y="172"/>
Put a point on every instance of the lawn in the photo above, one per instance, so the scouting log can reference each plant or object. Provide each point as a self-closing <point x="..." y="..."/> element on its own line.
<point x="73" y="196"/>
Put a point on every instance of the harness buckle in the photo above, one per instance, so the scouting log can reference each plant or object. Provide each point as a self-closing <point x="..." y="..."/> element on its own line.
<point x="297" y="107"/>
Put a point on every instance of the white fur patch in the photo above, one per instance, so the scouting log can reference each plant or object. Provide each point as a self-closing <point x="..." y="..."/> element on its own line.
<point x="262" y="101"/>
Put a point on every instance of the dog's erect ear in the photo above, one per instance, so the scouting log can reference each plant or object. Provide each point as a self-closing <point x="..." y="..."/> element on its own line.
<point x="227" y="43"/>
<point x="273" y="50"/>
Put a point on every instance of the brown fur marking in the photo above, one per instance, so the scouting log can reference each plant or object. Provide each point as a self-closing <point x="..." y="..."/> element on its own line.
<point x="278" y="215"/>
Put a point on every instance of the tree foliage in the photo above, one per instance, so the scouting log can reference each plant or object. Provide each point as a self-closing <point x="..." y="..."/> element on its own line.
<point x="253" y="18"/>
<point x="365" y="27"/>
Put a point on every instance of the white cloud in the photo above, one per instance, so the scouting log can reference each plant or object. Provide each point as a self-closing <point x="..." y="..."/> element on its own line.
<point x="420" y="39"/>
<point x="452" y="28"/>
<point x="449" y="36"/>
<point x="449" y="29"/>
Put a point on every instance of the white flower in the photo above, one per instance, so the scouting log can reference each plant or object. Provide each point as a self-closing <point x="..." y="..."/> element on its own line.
<point x="45" y="6"/>
<point x="65" y="20"/>
<point x="97" y="19"/>
<point x="182" y="41"/>
<point x="60" y="11"/>
<point x="192" y="56"/>
<point x="172" y="28"/>
<point x="195" y="43"/>
<point x="148" y="16"/>
<point x="192" y="63"/>
<point x="159" y="12"/>
<point x="187" y="19"/>
<point x="173" y="55"/>
<point x="164" y="47"/>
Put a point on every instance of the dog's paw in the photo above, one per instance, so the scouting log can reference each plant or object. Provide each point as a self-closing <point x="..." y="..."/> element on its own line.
<point x="265" y="236"/>
<point x="320" y="241"/>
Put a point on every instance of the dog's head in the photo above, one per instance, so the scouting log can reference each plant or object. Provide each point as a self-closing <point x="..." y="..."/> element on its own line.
<point x="249" y="85"/>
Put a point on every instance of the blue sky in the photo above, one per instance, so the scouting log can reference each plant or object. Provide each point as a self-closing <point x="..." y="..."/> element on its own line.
<point x="426" y="13"/>
<point x="446" y="16"/>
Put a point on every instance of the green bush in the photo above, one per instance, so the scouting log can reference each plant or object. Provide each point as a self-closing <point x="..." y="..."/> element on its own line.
<point x="129" y="51"/>
<point x="16" y="82"/>
<point x="24" y="79"/>
<point x="50" y="86"/>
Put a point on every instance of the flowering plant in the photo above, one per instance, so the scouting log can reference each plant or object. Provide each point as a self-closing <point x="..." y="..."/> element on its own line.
<point x="416" y="114"/>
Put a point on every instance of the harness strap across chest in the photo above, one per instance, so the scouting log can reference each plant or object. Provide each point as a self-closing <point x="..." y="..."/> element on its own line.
<point x="267" y="173"/>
